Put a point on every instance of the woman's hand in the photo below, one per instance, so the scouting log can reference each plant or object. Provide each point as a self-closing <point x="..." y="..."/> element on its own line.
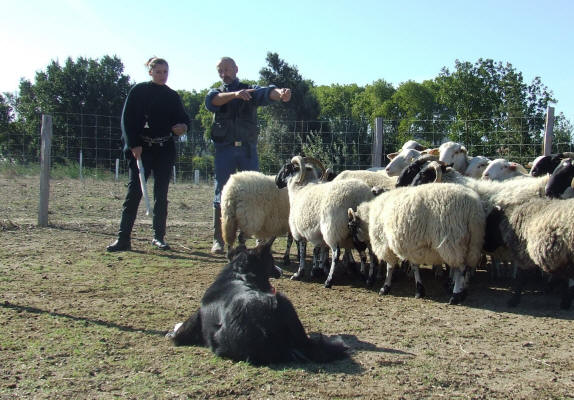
<point x="179" y="129"/>
<point x="137" y="152"/>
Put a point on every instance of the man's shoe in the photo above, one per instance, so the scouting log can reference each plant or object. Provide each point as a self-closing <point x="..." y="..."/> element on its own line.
<point x="119" y="245"/>
<point x="160" y="244"/>
<point x="217" y="248"/>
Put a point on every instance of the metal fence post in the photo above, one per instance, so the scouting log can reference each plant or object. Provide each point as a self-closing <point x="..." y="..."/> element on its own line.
<point x="45" y="162"/>
<point x="377" y="158"/>
<point x="548" y="131"/>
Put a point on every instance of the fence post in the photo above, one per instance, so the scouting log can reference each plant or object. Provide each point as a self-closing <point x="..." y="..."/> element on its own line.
<point x="117" y="168"/>
<point x="377" y="159"/>
<point x="45" y="162"/>
<point x="174" y="175"/>
<point x="196" y="177"/>
<point x="81" y="163"/>
<point x="548" y="131"/>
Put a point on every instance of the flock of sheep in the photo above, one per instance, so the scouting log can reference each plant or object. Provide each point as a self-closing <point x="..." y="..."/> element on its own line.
<point x="428" y="207"/>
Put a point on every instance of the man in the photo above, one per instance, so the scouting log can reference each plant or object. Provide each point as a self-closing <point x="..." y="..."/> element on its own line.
<point x="234" y="130"/>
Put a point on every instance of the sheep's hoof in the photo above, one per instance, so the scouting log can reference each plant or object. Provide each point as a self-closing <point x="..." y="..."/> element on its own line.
<point x="386" y="289"/>
<point x="457" y="298"/>
<point x="328" y="284"/>
<point x="420" y="291"/>
<point x="297" y="276"/>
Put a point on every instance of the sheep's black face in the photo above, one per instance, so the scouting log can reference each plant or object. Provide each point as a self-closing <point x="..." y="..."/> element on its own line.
<point x="560" y="179"/>
<point x="545" y="165"/>
<point x="426" y="175"/>
<point x="408" y="174"/>
<point x="284" y="173"/>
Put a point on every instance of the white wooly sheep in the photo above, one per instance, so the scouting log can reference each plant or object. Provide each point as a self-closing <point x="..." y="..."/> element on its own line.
<point x="413" y="144"/>
<point x="539" y="233"/>
<point x="252" y="204"/>
<point x="402" y="159"/>
<point x="455" y="154"/>
<point x="492" y="193"/>
<point x="372" y="178"/>
<point x="430" y="224"/>
<point x="318" y="211"/>
<point x="502" y="169"/>
<point x="476" y="166"/>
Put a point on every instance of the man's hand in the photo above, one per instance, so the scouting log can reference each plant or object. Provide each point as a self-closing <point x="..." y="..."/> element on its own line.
<point x="244" y="94"/>
<point x="179" y="129"/>
<point x="284" y="94"/>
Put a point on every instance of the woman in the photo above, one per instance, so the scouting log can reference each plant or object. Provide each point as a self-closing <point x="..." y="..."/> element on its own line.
<point x="153" y="113"/>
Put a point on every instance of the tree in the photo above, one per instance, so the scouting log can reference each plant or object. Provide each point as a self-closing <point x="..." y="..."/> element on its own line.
<point x="303" y="105"/>
<point x="81" y="96"/>
<point x="412" y="104"/>
<point x="490" y="104"/>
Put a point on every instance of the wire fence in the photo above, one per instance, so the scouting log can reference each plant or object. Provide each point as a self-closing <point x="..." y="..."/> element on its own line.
<point x="94" y="142"/>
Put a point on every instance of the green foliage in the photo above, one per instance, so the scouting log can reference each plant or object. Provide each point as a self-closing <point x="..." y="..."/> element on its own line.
<point x="272" y="139"/>
<point x="204" y="163"/>
<point x="303" y="105"/>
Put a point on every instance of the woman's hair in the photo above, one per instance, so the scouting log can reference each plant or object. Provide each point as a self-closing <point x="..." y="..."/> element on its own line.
<point x="152" y="62"/>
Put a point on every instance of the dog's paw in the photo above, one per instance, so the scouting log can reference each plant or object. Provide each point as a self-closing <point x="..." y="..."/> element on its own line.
<point x="171" y="335"/>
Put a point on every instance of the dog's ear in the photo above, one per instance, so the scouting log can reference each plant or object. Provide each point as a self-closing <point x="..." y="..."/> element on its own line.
<point x="232" y="253"/>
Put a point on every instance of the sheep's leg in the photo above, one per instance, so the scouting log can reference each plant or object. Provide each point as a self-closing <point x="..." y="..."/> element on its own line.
<point x="286" y="259"/>
<point x="373" y="268"/>
<point x="241" y="238"/>
<point x="517" y="285"/>
<point x="567" y="296"/>
<point x="386" y="289"/>
<point x="335" y="259"/>
<point x="316" y="270"/>
<point x="459" y="292"/>
<point x="302" y="252"/>
<point x="420" y="289"/>
<point x="349" y="262"/>
<point x="324" y="258"/>
<point x="437" y="271"/>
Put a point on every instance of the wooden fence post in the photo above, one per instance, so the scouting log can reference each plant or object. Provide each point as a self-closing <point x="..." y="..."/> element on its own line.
<point x="377" y="158"/>
<point x="548" y="131"/>
<point x="45" y="162"/>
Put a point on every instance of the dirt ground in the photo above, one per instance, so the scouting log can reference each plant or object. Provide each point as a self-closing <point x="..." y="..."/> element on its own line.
<point x="77" y="322"/>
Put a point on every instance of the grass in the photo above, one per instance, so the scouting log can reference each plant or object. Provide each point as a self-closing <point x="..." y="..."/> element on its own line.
<point x="77" y="322"/>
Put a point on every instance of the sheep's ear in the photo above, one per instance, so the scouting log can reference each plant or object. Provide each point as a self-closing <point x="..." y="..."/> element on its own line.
<point x="433" y="152"/>
<point x="352" y="215"/>
<point x="390" y="156"/>
<point x="529" y="165"/>
<point x="463" y="149"/>
<point x="512" y="166"/>
<point x="377" y="190"/>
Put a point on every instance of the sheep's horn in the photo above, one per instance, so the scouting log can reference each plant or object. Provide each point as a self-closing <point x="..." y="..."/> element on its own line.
<point x="299" y="163"/>
<point x="314" y="161"/>
<point x="436" y="165"/>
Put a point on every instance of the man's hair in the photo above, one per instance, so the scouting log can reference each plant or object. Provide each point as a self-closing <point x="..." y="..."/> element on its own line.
<point x="153" y="61"/>
<point x="226" y="59"/>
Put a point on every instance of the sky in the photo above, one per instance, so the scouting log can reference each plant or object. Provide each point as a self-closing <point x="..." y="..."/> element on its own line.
<point x="330" y="42"/>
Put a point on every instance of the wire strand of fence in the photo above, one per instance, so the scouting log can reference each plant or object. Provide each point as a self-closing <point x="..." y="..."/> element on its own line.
<point x="339" y="143"/>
